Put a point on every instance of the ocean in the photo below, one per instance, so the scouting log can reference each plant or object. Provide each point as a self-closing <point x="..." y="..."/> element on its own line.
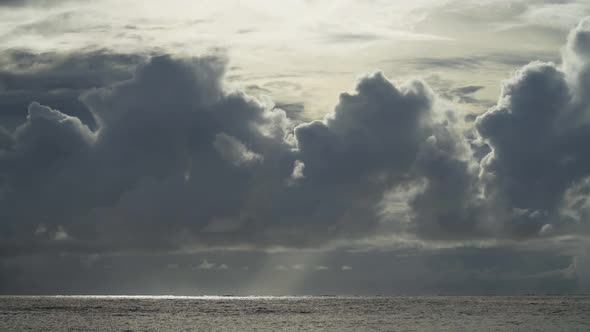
<point x="220" y="313"/>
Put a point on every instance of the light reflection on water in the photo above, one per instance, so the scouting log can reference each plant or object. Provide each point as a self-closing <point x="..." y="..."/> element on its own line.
<point x="291" y="313"/>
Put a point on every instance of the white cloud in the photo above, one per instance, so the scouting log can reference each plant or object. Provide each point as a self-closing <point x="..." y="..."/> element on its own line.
<point x="60" y="234"/>
<point x="41" y="229"/>
<point x="547" y="229"/>
<point x="298" y="168"/>
<point x="234" y="151"/>
<point x="205" y="265"/>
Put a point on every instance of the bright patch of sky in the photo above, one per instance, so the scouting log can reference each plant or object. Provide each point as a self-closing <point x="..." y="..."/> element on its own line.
<point x="305" y="52"/>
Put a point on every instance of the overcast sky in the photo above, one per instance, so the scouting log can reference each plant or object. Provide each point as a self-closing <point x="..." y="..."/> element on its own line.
<point x="294" y="147"/>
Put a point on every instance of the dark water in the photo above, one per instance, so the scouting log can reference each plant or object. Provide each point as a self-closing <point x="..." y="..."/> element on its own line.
<point x="553" y="313"/>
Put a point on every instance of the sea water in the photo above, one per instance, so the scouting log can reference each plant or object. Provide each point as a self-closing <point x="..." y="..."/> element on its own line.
<point x="124" y="313"/>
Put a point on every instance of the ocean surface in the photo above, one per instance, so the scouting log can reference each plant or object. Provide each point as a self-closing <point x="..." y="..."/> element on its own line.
<point x="88" y="313"/>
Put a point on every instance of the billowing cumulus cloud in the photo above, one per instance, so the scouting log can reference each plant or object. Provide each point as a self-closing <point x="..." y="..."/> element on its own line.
<point x="174" y="160"/>
<point x="537" y="134"/>
<point x="138" y="186"/>
<point x="177" y="155"/>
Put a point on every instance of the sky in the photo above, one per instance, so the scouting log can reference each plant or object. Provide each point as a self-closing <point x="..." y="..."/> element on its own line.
<point x="257" y="147"/>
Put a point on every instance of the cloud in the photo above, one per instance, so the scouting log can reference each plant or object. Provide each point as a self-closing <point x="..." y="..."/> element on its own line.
<point x="178" y="161"/>
<point x="512" y="15"/>
<point x="298" y="169"/>
<point x="295" y="111"/>
<point x="11" y="2"/>
<point x="205" y="265"/>
<point x="547" y="229"/>
<point x="462" y="94"/>
<point x="352" y="37"/>
<point x="40" y="229"/>
<point x="235" y="151"/>
<point x="21" y="3"/>
<point x="60" y="234"/>
<point x="530" y="160"/>
<point x="175" y="154"/>
<point x="58" y="80"/>
<point x="465" y="90"/>
<point x="29" y="3"/>
<point x="461" y="271"/>
<point x="536" y="134"/>
<point x="477" y="61"/>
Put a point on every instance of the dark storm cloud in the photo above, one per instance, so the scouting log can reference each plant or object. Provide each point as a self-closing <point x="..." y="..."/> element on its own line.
<point x="388" y="139"/>
<point x="537" y="134"/>
<point x="57" y="80"/>
<point x="179" y="157"/>
<point x="155" y="160"/>
<point x="175" y="161"/>
<point x="533" y="162"/>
